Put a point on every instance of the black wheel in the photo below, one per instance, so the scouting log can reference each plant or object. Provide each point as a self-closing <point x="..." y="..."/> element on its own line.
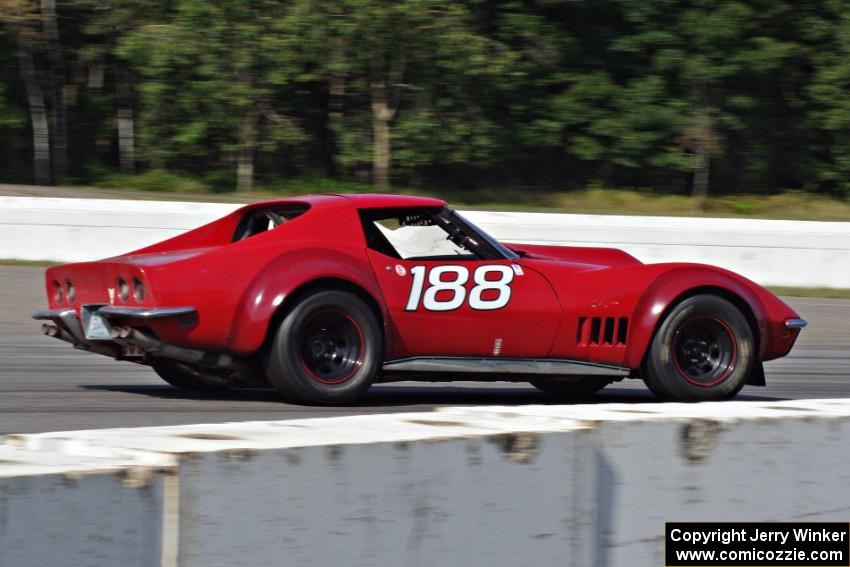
<point x="703" y="350"/>
<point x="183" y="376"/>
<point x="327" y="350"/>
<point x="577" y="388"/>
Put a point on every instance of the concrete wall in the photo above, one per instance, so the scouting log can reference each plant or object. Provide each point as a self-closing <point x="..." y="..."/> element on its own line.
<point x="790" y="253"/>
<point x="533" y="485"/>
<point x="75" y="511"/>
<point x="770" y="252"/>
<point x="71" y="230"/>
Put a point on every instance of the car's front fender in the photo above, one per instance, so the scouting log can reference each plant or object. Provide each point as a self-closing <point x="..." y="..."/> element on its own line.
<point x="675" y="281"/>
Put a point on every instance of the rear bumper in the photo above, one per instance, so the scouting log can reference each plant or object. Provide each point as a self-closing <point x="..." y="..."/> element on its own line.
<point x="69" y="328"/>
<point x="118" y="312"/>
<point x="65" y="319"/>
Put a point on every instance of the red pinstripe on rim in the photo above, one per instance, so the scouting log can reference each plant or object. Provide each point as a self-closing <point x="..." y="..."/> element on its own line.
<point x="359" y="352"/>
<point x="728" y="367"/>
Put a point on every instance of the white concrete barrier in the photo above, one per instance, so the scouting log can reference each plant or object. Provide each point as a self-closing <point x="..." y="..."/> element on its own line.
<point x="770" y="252"/>
<point x="78" y="511"/>
<point x="533" y="485"/>
<point x="73" y="230"/>
<point x="789" y="253"/>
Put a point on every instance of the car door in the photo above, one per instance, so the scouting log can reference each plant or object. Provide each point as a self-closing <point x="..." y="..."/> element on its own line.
<point x="460" y="304"/>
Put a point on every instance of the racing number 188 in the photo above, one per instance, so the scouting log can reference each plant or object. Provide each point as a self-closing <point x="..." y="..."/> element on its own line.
<point x="431" y="302"/>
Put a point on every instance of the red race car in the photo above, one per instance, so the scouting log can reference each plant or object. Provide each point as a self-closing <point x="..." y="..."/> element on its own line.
<point x="322" y="296"/>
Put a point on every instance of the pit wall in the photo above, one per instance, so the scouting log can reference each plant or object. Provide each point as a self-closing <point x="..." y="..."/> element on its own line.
<point x="770" y="252"/>
<point x="532" y="485"/>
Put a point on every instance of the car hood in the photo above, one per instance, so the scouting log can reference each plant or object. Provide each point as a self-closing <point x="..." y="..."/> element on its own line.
<point x="584" y="258"/>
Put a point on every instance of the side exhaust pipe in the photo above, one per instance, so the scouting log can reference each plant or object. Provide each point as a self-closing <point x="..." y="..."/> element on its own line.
<point x="152" y="345"/>
<point x="60" y="333"/>
<point x="57" y="333"/>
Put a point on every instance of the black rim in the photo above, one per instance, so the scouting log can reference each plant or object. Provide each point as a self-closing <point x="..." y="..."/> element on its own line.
<point x="331" y="346"/>
<point x="704" y="351"/>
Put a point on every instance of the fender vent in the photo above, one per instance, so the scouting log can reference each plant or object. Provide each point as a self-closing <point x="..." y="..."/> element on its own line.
<point x="606" y="331"/>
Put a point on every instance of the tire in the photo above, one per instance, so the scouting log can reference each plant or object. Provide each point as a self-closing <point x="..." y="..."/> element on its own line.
<point x="327" y="350"/>
<point x="184" y="377"/>
<point x="703" y="350"/>
<point x="582" y="387"/>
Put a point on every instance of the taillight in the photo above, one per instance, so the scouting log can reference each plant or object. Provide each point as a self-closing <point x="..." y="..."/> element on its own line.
<point x="72" y="291"/>
<point x="138" y="290"/>
<point x="123" y="289"/>
<point x="58" y="292"/>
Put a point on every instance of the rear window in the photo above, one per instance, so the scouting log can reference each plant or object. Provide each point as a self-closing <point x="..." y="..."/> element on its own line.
<point x="264" y="219"/>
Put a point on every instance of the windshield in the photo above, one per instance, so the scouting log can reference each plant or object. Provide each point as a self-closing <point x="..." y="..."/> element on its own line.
<point x="428" y="233"/>
<point x="498" y="246"/>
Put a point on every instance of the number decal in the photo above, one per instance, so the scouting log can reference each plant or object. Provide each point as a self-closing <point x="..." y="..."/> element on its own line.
<point x="482" y="284"/>
<point x="418" y="273"/>
<point x="435" y="280"/>
<point x="454" y="286"/>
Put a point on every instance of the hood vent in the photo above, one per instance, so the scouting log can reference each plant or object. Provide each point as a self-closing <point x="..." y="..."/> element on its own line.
<point x="602" y="331"/>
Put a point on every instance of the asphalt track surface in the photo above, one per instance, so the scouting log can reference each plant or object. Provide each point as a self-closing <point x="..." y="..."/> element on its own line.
<point x="45" y="385"/>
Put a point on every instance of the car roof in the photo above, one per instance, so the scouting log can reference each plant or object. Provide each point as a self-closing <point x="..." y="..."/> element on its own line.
<point x="360" y="201"/>
<point x="383" y="200"/>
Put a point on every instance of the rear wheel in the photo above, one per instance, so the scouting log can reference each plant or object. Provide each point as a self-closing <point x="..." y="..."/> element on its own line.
<point x="580" y="387"/>
<point x="704" y="350"/>
<point x="184" y="376"/>
<point x="327" y="350"/>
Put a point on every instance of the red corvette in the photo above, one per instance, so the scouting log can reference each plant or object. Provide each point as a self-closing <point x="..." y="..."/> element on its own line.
<point x="323" y="295"/>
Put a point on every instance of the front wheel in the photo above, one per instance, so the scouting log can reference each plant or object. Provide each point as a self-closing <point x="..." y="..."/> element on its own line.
<point x="327" y="350"/>
<point x="704" y="350"/>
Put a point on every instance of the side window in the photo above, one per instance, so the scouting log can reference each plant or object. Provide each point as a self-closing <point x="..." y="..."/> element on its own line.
<point x="258" y="221"/>
<point x="413" y="234"/>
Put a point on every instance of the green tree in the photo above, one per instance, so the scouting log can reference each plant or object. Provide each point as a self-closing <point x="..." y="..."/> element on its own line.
<point x="22" y="21"/>
<point x="828" y="30"/>
<point x="210" y="74"/>
<point x="412" y="76"/>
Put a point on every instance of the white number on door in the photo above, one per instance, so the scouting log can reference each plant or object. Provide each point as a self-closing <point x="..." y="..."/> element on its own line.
<point x="455" y="288"/>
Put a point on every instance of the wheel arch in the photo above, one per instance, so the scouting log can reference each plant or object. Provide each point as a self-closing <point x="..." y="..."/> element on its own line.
<point x="286" y="278"/>
<point x="721" y="292"/>
<point x="667" y="292"/>
<point x="326" y="283"/>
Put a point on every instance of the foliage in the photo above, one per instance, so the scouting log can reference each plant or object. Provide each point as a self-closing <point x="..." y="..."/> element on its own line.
<point x="745" y="96"/>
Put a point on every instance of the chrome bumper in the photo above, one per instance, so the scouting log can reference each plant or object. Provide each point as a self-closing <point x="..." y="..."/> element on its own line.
<point x="68" y="328"/>
<point x="67" y="325"/>
<point x="115" y="312"/>
<point x="68" y="317"/>
<point x="795" y="323"/>
<point x="65" y="319"/>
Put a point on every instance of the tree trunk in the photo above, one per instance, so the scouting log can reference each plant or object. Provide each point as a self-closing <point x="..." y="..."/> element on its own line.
<point x="336" y="112"/>
<point x="58" y="106"/>
<point x="381" y="146"/>
<point x="126" y="124"/>
<point x="38" y="114"/>
<point x="245" y="157"/>
<point x="700" y="186"/>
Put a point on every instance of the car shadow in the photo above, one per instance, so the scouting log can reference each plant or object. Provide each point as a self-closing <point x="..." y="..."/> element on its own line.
<point x="408" y="394"/>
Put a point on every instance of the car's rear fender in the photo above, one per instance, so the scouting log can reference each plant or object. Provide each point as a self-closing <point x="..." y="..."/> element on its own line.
<point x="274" y="287"/>
<point x="679" y="282"/>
